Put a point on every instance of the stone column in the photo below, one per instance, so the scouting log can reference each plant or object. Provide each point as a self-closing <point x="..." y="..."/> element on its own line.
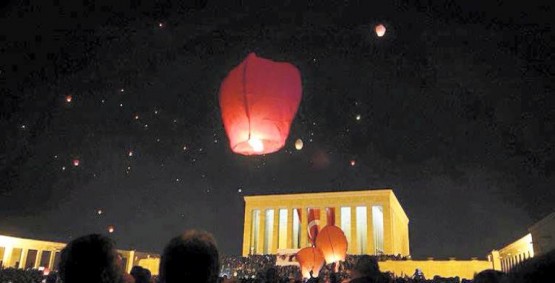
<point x="275" y="234"/>
<point x="370" y="247"/>
<point x="23" y="258"/>
<point x="130" y="261"/>
<point x="406" y="245"/>
<point x="495" y="260"/>
<point x="7" y="256"/>
<point x="353" y="245"/>
<point x="289" y="233"/>
<point x="304" y="227"/>
<point x="247" y="231"/>
<point x="37" y="261"/>
<point x="261" y="232"/>
<point x="388" y="229"/>
<point x="51" y="261"/>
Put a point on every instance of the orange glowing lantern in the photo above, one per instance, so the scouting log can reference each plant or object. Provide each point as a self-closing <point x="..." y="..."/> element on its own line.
<point x="69" y="98"/>
<point x="310" y="259"/>
<point x="333" y="243"/>
<point x="111" y="229"/>
<point x="259" y="99"/>
<point x="380" y="30"/>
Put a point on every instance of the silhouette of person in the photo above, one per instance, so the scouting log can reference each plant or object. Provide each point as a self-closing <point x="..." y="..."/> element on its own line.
<point x="191" y="257"/>
<point x="90" y="259"/>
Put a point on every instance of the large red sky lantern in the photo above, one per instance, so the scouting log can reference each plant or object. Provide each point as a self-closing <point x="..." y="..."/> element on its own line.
<point x="310" y="259"/>
<point x="259" y="99"/>
<point x="332" y="242"/>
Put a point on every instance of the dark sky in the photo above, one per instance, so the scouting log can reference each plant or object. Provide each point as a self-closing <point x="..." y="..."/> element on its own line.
<point x="456" y="113"/>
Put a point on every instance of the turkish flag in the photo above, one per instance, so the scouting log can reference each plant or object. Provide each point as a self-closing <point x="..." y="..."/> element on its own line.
<point x="313" y="223"/>
<point x="330" y="213"/>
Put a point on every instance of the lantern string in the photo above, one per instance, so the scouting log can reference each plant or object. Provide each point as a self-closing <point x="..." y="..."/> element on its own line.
<point x="245" y="99"/>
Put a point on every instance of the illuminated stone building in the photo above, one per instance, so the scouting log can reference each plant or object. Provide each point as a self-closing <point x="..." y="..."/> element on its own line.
<point x="540" y="240"/>
<point x="36" y="254"/>
<point x="373" y="221"/>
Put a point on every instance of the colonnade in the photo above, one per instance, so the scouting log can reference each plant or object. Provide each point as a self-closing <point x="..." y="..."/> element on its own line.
<point x="372" y="221"/>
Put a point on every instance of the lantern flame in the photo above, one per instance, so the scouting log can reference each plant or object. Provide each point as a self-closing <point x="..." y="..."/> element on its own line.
<point x="256" y="144"/>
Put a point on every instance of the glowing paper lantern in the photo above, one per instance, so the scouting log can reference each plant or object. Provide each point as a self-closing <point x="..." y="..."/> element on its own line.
<point x="76" y="162"/>
<point x="111" y="228"/>
<point x="299" y="144"/>
<point x="69" y="98"/>
<point x="333" y="243"/>
<point x="259" y="99"/>
<point x="380" y="30"/>
<point x="310" y="259"/>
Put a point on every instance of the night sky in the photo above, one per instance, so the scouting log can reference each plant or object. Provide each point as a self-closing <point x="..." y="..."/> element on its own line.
<point x="453" y="108"/>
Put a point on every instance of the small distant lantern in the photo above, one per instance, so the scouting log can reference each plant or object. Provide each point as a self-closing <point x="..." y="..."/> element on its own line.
<point x="76" y="162"/>
<point x="299" y="144"/>
<point x="258" y="100"/>
<point x="310" y="259"/>
<point x="353" y="162"/>
<point x="111" y="229"/>
<point x="380" y="30"/>
<point x="69" y="98"/>
<point x="332" y="242"/>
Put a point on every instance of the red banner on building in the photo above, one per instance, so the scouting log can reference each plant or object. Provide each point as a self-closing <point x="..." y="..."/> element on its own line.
<point x="330" y="213"/>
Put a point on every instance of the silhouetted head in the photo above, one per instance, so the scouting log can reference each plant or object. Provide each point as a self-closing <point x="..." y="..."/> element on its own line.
<point x="191" y="257"/>
<point x="90" y="259"/>
<point x="489" y="276"/>
<point x="141" y="275"/>
<point x="366" y="266"/>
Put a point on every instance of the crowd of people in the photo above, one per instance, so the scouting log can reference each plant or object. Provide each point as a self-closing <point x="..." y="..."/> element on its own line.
<point x="193" y="257"/>
<point x="253" y="265"/>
